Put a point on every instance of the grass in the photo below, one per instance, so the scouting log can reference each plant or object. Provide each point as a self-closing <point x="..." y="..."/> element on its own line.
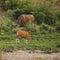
<point x="47" y="42"/>
<point x="0" y="55"/>
<point x="39" y="58"/>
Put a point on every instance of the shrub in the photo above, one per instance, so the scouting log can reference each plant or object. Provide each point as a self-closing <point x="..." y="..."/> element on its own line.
<point x="15" y="13"/>
<point x="14" y="30"/>
<point x="25" y="7"/>
<point x="44" y="28"/>
<point x="58" y="28"/>
<point x="46" y="17"/>
<point x="58" y="14"/>
<point x="2" y="32"/>
<point x="50" y="18"/>
<point x="45" y="13"/>
<point x="39" y="17"/>
<point x="32" y="28"/>
<point x="44" y="32"/>
<point x="7" y="25"/>
<point x="52" y="29"/>
<point x="10" y="13"/>
<point x="42" y="12"/>
<point x="9" y="4"/>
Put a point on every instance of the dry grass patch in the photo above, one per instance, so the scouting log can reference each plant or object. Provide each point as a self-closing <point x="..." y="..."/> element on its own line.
<point x="0" y="55"/>
<point x="39" y="58"/>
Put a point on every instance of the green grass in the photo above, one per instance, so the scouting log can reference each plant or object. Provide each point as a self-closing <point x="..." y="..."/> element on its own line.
<point x="47" y="42"/>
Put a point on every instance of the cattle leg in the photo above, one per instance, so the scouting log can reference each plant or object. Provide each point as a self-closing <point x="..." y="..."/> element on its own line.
<point x="26" y="41"/>
<point x="17" y="40"/>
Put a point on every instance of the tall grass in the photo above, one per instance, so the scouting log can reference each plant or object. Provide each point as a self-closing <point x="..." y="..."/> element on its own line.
<point x="46" y="42"/>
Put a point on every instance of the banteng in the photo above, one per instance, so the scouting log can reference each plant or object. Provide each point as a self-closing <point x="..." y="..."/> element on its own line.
<point x="23" y="34"/>
<point x="23" y="19"/>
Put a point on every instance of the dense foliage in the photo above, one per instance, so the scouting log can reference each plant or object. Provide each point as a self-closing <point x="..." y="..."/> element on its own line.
<point x="45" y="31"/>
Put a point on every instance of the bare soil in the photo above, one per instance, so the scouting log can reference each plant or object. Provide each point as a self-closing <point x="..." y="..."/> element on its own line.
<point x="29" y="55"/>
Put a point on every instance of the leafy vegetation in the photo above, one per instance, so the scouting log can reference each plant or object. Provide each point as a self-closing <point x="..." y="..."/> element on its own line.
<point x="45" y="32"/>
<point x="48" y="42"/>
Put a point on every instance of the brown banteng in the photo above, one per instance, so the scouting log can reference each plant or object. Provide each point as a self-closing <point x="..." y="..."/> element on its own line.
<point x="23" y="19"/>
<point x="23" y="34"/>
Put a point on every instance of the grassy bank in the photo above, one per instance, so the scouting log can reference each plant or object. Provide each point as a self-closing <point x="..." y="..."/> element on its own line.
<point x="46" y="32"/>
<point x="46" y="42"/>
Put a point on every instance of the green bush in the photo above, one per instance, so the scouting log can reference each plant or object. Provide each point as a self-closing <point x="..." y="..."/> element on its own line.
<point x="42" y="12"/>
<point x="58" y="28"/>
<point x="25" y="7"/>
<point x="39" y="17"/>
<point x="44" y="28"/>
<point x="50" y="18"/>
<point x="57" y="13"/>
<point x="7" y="25"/>
<point x="13" y="14"/>
<point x="32" y="28"/>
<point x="9" y="4"/>
<point x="52" y="29"/>
<point x="10" y="13"/>
<point x="45" y="13"/>
<point x="45" y="17"/>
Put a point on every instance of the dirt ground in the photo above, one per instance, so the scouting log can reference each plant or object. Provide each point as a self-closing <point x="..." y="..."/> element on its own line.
<point x="28" y="55"/>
